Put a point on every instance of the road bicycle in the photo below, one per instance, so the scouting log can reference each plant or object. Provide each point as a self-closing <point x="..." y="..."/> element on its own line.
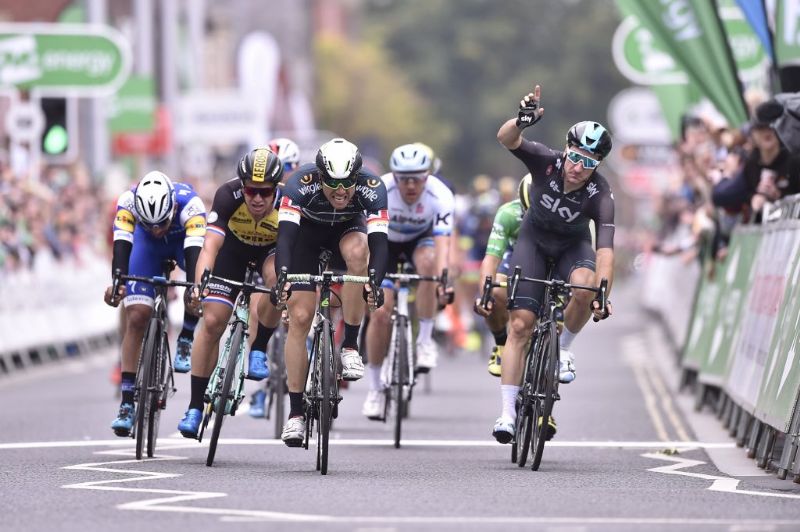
<point x="539" y="390"/>
<point x="155" y="382"/>
<point x="322" y="378"/>
<point x="225" y="389"/>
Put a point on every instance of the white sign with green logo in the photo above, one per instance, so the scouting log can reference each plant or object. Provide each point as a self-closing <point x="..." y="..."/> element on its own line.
<point x="132" y="109"/>
<point x="63" y="59"/>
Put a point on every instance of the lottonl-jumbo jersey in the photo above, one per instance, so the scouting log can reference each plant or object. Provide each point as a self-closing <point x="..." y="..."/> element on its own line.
<point x="190" y="219"/>
<point x="505" y="228"/>
<point x="561" y="215"/>
<point x="433" y="210"/>
<point x="229" y="214"/>
<point x="302" y="197"/>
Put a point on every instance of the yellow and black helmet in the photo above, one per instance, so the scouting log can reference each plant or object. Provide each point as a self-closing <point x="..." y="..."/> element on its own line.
<point x="260" y="165"/>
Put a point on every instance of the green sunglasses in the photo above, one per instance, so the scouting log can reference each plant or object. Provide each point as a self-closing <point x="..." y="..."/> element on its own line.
<point x="348" y="182"/>
<point x="588" y="162"/>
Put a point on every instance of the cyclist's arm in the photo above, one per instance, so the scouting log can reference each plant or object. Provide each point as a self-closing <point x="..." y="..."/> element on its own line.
<point x="510" y="135"/>
<point x="378" y="242"/>
<point x="288" y="227"/>
<point x="193" y="217"/>
<point x="208" y="256"/>
<point x="124" y="223"/>
<point x="605" y="239"/>
<point x="441" y="248"/>
<point x="605" y="267"/>
<point x="443" y="223"/>
<point x="489" y="266"/>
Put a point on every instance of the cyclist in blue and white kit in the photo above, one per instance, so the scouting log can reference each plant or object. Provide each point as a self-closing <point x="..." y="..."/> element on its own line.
<point x="420" y="225"/>
<point x="155" y="221"/>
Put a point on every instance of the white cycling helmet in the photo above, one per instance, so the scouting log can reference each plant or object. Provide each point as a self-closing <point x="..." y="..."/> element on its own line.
<point x="287" y="151"/>
<point x="410" y="158"/>
<point x="155" y="199"/>
<point x="338" y="159"/>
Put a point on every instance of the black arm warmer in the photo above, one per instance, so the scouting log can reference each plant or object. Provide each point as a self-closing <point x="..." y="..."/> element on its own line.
<point x="191" y="255"/>
<point x="378" y="254"/>
<point x="121" y="256"/>
<point x="287" y="234"/>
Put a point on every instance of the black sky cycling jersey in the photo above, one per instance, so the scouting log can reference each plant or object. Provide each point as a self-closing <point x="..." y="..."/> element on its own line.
<point x="302" y="194"/>
<point x="566" y="215"/>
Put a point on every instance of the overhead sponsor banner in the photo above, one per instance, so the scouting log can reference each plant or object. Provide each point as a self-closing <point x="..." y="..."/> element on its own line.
<point x="756" y="15"/>
<point x="215" y="118"/>
<point x="692" y="35"/>
<point x="63" y="59"/>
<point x="749" y="53"/>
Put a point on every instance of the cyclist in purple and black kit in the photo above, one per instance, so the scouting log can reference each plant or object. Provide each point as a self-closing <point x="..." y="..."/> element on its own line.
<point x="566" y="193"/>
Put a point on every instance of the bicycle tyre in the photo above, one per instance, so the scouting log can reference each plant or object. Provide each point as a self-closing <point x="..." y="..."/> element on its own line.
<point x="278" y="389"/>
<point x="237" y="337"/>
<point x="399" y="374"/>
<point x="327" y="397"/>
<point x="524" y="426"/>
<point x="547" y="384"/>
<point x="159" y="379"/>
<point x="144" y="382"/>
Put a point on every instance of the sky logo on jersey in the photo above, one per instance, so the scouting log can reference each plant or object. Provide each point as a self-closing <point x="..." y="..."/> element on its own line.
<point x="552" y="205"/>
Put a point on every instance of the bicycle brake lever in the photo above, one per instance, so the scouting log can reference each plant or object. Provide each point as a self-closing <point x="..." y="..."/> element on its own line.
<point x="601" y="298"/>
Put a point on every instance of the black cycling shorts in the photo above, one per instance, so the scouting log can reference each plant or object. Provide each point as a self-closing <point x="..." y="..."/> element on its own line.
<point x="316" y="240"/>
<point x="231" y="263"/>
<point x="532" y="253"/>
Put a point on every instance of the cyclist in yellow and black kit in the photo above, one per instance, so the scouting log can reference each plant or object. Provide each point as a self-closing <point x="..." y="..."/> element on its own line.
<point x="242" y="227"/>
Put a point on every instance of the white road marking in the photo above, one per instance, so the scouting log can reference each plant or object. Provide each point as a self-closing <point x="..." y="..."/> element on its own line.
<point x="724" y="484"/>
<point x="188" y="443"/>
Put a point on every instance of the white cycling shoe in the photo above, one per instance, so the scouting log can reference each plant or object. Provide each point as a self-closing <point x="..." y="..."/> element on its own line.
<point x="294" y="431"/>
<point x="566" y="373"/>
<point x="427" y="355"/>
<point x="375" y="405"/>
<point x="503" y="430"/>
<point x="352" y="365"/>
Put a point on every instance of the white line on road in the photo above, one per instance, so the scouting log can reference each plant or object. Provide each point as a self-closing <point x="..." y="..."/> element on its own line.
<point x="167" y="498"/>
<point x="724" y="484"/>
<point x="187" y="443"/>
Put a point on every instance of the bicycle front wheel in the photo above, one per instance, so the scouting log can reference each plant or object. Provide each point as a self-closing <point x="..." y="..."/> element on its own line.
<point x="145" y="383"/>
<point x="231" y="359"/>
<point x="277" y="389"/>
<point x="546" y="385"/>
<point x="326" y="397"/>
<point x="400" y="376"/>
<point x="159" y="393"/>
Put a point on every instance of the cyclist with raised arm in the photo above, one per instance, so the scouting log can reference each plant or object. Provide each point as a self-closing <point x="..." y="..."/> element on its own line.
<point x="420" y="225"/>
<point x="567" y="192"/>
<point x="334" y="205"/>
<point x="155" y="221"/>
<point x="495" y="263"/>
<point x="242" y="228"/>
<point x="289" y="154"/>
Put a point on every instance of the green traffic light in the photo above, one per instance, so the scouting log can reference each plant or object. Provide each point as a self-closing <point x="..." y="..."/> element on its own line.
<point x="56" y="140"/>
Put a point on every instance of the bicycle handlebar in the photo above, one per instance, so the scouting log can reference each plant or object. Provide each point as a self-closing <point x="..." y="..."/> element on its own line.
<point x="157" y="280"/>
<point x="560" y="286"/>
<point x="246" y="285"/>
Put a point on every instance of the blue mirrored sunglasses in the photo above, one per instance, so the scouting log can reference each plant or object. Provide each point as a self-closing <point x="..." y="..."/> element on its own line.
<point x="588" y="162"/>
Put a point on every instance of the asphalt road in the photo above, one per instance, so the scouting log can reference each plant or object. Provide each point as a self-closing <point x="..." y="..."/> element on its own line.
<point x="626" y="457"/>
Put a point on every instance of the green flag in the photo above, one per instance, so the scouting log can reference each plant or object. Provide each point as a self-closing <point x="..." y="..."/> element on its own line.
<point x="693" y="35"/>
<point x="787" y="32"/>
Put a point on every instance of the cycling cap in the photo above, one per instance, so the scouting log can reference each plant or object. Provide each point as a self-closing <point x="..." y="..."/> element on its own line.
<point x="338" y="159"/>
<point x="590" y="136"/>
<point x="155" y="199"/>
<point x="260" y="165"/>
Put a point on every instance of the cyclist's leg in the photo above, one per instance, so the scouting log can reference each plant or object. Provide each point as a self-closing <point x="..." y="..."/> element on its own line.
<point x="497" y="321"/>
<point x="354" y="251"/>
<point x="424" y="257"/>
<point x="138" y="304"/>
<point x="578" y="265"/>
<point x="183" y="348"/>
<point x="268" y="318"/>
<point x="379" y="332"/>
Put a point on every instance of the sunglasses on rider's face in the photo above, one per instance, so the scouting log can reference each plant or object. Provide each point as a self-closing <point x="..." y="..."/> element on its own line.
<point x="264" y="192"/>
<point x="411" y="179"/>
<point x="588" y="162"/>
<point x="348" y="182"/>
<point x="157" y="227"/>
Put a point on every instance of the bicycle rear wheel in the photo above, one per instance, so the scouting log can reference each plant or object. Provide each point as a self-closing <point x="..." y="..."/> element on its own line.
<point x="399" y="376"/>
<point x="145" y="382"/>
<point x="237" y="337"/>
<point x="546" y="385"/>
<point x="159" y="393"/>
<point x="326" y="397"/>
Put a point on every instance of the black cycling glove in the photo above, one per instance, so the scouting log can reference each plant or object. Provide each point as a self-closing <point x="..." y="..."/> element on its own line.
<point x="378" y="296"/>
<point x="528" y="114"/>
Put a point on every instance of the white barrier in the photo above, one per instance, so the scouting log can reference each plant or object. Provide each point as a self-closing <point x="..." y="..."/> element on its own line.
<point x="51" y="306"/>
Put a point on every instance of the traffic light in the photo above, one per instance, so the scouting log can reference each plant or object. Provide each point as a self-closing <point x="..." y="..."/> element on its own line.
<point x="55" y="134"/>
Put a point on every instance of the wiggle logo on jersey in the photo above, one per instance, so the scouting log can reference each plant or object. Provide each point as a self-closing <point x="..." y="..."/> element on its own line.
<point x="367" y="192"/>
<point x="552" y="205"/>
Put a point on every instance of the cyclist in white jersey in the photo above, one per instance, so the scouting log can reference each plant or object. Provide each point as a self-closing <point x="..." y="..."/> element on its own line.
<point x="420" y="225"/>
